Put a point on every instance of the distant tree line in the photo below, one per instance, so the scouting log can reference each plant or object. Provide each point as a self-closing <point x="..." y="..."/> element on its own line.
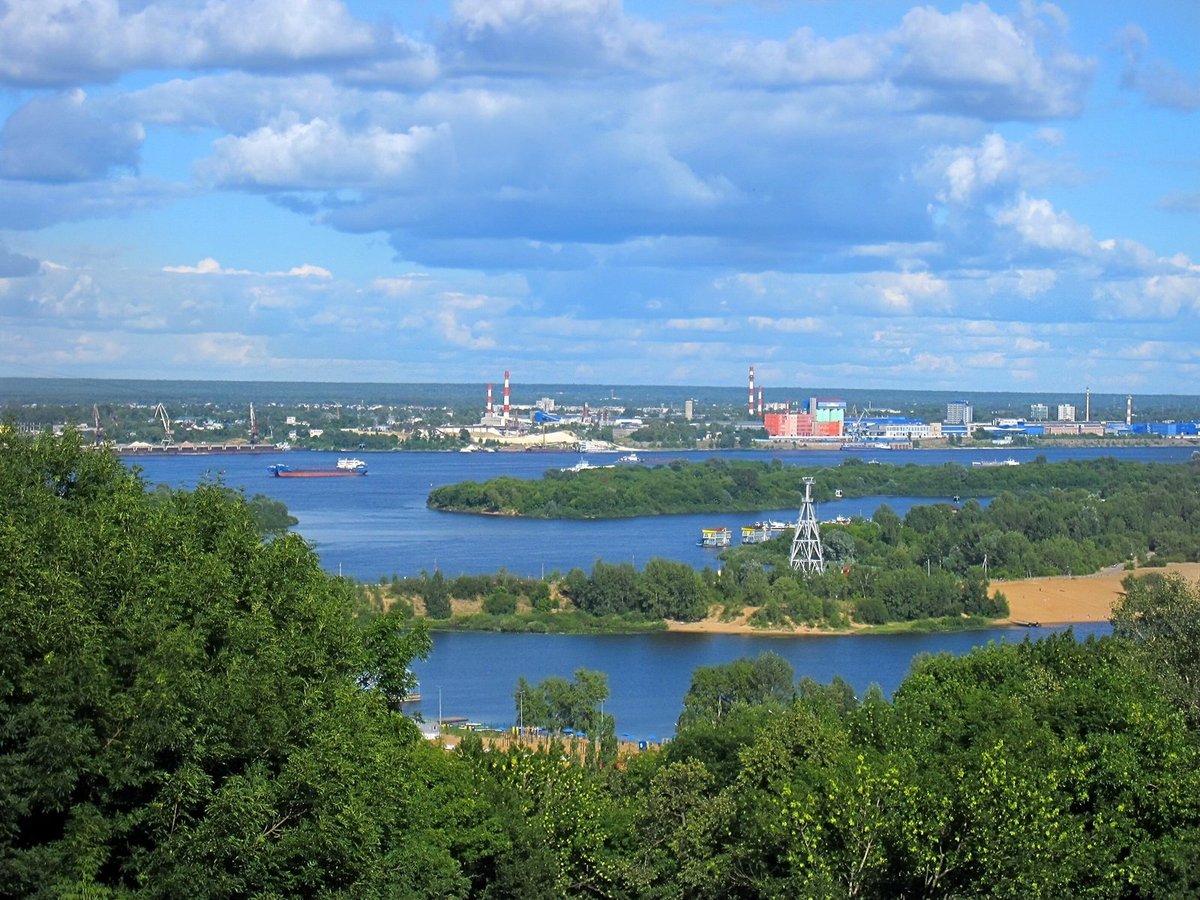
<point x="720" y="485"/>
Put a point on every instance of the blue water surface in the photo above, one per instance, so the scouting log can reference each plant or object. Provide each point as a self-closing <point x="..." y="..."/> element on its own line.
<point x="378" y="525"/>
<point x="474" y="675"/>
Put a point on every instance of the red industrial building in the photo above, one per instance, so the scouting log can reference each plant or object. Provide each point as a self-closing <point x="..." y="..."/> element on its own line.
<point x="824" y="418"/>
<point x="799" y="425"/>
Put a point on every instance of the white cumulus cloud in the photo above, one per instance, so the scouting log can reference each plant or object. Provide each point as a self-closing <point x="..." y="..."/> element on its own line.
<point x="322" y="154"/>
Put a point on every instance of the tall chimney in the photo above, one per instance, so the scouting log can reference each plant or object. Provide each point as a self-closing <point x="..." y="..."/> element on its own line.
<point x="760" y="403"/>
<point x="750" y="402"/>
<point x="489" y="403"/>
<point x="1087" y="404"/>
<point x="506" y="406"/>
<point x="1129" y="409"/>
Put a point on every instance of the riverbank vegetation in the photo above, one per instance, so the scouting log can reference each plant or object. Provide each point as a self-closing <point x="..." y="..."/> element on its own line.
<point x="718" y="485"/>
<point x="189" y="705"/>
<point x="935" y="565"/>
<point x="617" y="597"/>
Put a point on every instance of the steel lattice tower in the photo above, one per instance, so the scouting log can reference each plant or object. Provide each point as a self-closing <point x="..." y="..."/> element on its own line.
<point x="807" y="553"/>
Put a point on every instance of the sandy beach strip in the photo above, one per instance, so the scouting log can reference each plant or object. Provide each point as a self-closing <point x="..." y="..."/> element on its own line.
<point x="1087" y="598"/>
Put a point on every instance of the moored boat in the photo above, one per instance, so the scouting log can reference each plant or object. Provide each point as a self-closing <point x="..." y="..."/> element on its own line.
<point x="758" y="533"/>
<point x="715" y="537"/>
<point x="774" y="526"/>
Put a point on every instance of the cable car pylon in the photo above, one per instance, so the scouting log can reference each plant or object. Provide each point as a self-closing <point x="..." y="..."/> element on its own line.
<point x="807" y="556"/>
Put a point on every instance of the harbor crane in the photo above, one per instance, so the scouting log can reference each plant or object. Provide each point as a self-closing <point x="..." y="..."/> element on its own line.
<point x="253" y="426"/>
<point x="160" y="413"/>
<point x="97" y="430"/>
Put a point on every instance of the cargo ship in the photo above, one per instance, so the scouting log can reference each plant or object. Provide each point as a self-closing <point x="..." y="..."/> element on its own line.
<point x="345" y="467"/>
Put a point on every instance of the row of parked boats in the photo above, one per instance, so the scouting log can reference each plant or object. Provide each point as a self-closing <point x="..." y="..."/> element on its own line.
<point x="758" y="533"/>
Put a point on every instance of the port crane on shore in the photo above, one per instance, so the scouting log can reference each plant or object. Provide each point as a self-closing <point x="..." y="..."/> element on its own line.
<point x="160" y="413"/>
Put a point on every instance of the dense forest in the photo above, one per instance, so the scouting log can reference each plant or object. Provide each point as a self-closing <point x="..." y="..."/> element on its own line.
<point x="720" y="485"/>
<point x="190" y="707"/>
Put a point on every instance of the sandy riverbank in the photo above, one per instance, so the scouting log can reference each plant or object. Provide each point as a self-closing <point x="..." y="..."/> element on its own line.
<point x="1088" y="598"/>
<point x="1048" y="601"/>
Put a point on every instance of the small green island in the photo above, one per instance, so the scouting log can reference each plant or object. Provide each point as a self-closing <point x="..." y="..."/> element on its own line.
<point x="934" y="568"/>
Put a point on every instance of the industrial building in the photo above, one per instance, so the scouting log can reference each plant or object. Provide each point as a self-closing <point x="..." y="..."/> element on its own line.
<point x="504" y="419"/>
<point x="897" y="428"/>
<point x="822" y="418"/>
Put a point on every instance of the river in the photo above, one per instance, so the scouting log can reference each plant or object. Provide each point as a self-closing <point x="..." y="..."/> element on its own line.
<point x="475" y="674"/>
<point x="375" y="526"/>
<point x="378" y="526"/>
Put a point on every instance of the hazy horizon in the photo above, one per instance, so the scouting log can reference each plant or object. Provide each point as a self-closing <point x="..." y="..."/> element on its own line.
<point x="85" y="391"/>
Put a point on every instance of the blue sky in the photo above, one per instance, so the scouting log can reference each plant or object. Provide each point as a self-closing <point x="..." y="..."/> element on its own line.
<point x="979" y="196"/>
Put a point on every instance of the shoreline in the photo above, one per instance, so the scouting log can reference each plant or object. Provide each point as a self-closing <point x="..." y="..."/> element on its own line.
<point x="1050" y="600"/>
<point x="1056" y="600"/>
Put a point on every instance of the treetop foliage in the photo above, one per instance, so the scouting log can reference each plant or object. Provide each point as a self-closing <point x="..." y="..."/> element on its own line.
<point x="182" y="703"/>
<point x="187" y="709"/>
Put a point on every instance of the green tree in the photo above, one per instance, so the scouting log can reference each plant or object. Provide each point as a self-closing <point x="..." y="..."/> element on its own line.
<point x="1161" y="614"/>
<point x="187" y="709"/>
<point x="716" y="690"/>
<point x="271" y="517"/>
<point x="556" y="704"/>
<point x="499" y="602"/>
<point x="437" y="596"/>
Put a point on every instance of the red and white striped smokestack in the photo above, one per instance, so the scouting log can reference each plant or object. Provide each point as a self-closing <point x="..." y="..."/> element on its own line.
<point x="506" y="393"/>
<point x="489" y="405"/>
<point x="750" y="402"/>
<point x="760" y="403"/>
